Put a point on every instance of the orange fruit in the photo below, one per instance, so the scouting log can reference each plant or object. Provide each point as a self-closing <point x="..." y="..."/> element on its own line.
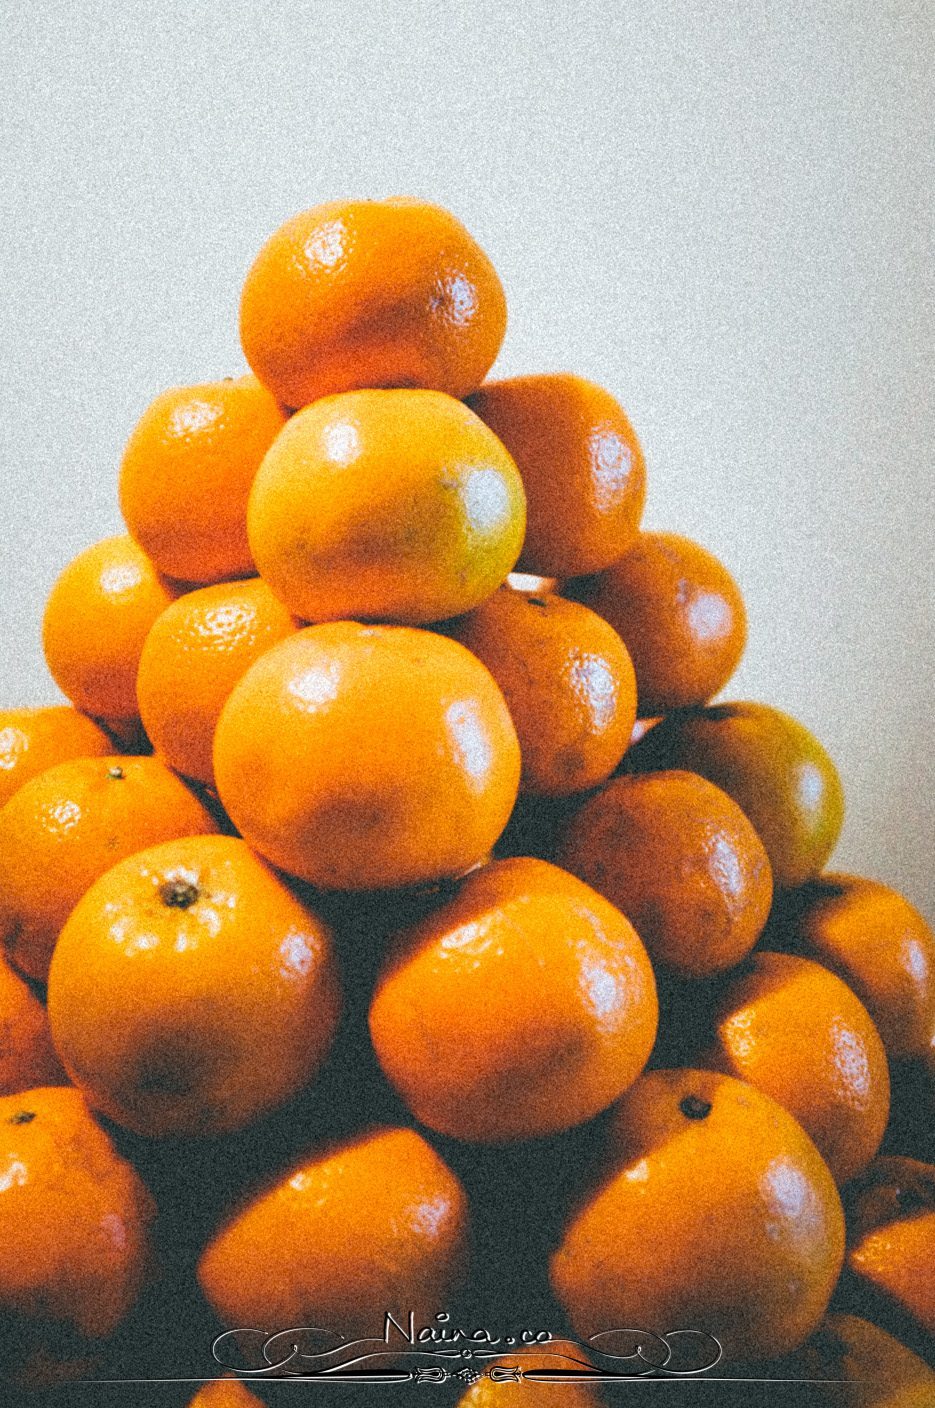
<point x="27" y="1056"/>
<point x="878" y="943"/>
<point x="773" y="768"/>
<point x="716" y="1212"/>
<point x="522" y="1006"/>
<point x="371" y="1226"/>
<point x="194" y="654"/>
<point x="567" y="679"/>
<point x="581" y="465"/>
<point x="891" y="1240"/>
<point x="680" y="613"/>
<point x="386" y="505"/>
<point x="74" y="1226"/>
<point x="361" y="757"/>
<point x="858" y="1365"/>
<point x="96" y="619"/>
<point x="795" y="1031"/>
<point x="226" y="1392"/>
<point x="366" y="293"/>
<point x="73" y="823"/>
<point x="186" y="474"/>
<point x="32" y="740"/>
<point x="190" y="991"/>
<point x="682" y="862"/>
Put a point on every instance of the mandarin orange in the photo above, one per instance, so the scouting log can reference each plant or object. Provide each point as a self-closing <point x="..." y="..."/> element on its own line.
<point x="386" y="505"/>
<point x="190" y="991"/>
<point x="186" y="475"/>
<point x="362" y="757"/>
<point x="366" y="293"/>
<point x="522" y="1006"/>
<point x="194" y="654"/>
<point x="680" y="613"/>
<point x="681" y="860"/>
<point x="581" y="465"/>
<point x="97" y="617"/>
<point x="73" y="823"/>
<point x="567" y="680"/>
<point x="715" y="1212"/>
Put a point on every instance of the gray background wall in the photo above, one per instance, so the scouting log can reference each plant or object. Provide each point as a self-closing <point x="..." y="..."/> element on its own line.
<point x="718" y="210"/>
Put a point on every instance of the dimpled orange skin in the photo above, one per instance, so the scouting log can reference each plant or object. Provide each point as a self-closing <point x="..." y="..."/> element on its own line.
<point x="567" y="679"/>
<point x="891" y="1237"/>
<point x="186" y="474"/>
<point x="74" y="1215"/>
<point x="797" y="1032"/>
<point x="363" y="757"/>
<point x="190" y="991"/>
<point x="682" y="862"/>
<point x="581" y="465"/>
<point x="27" y="1056"/>
<point x="32" y="740"/>
<point x="523" y="1006"/>
<point x="228" y="1392"/>
<point x="69" y="825"/>
<point x="680" y="613"/>
<point x="366" y="293"/>
<point x="877" y="1370"/>
<point x="195" y="653"/>
<point x="386" y="505"/>
<point x="881" y="946"/>
<point x="717" y="1213"/>
<point x="773" y="768"/>
<point x="96" y="619"/>
<point x="373" y="1225"/>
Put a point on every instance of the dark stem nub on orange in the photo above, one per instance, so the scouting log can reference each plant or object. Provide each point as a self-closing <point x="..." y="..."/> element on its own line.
<point x="178" y="894"/>
<point x="22" y="1117"/>
<point x="694" y="1108"/>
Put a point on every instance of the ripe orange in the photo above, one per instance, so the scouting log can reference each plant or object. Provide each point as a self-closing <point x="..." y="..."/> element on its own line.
<point x="773" y="768"/>
<point x="27" y="1056"/>
<point x="96" y="619"/>
<point x="195" y="653"/>
<point x="32" y="740"/>
<point x="186" y="475"/>
<point x="524" y="1005"/>
<point x="718" y="1213"/>
<point x="682" y="862"/>
<point x="366" y="293"/>
<point x="680" y="613"/>
<point x="73" y="823"/>
<point x="190" y="991"/>
<point x="374" y="1225"/>
<point x="858" y="1365"/>
<point x="386" y="505"/>
<point x="74" y="1226"/>
<point x="358" y="757"/>
<point x="567" y="679"/>
<point x="891" y="1236"/>
<point x="795" y="1031"/>
<point x="582" y="469"/>
<point x="878" y="943"/>
<point x="226" y="1392"/>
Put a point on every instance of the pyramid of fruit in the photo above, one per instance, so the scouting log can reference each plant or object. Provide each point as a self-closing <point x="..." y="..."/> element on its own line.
<point x="395" y="932"/>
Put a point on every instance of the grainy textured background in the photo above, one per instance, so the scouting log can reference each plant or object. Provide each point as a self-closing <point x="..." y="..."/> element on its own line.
<point x="716" y="209"/>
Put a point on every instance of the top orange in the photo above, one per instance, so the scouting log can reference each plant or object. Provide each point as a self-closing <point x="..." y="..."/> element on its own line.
<point x="366" y="293"/>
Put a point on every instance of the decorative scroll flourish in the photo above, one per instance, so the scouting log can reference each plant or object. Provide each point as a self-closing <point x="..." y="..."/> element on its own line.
<point x="442" y="1352"/>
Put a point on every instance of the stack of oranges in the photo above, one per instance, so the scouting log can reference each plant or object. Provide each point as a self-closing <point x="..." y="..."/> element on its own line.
<point x="392" y="922"/>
